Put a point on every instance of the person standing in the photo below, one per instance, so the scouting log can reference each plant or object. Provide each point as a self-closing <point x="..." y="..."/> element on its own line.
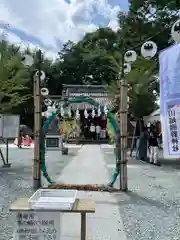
<point x="20" y="139"/>
<point x="142" y="144"/>
<point x="93" y="131"/>
<point x="153" y="148"/>
<point x="98" y="130"/>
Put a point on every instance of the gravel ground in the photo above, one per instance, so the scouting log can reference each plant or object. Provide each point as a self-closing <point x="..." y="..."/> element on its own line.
<point x="16" y="181"/>
<point x="151" y="208"/>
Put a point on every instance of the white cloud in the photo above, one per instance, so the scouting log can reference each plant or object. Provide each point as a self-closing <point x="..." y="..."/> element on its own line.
<point x="51" y="20"/>
<point x="13" y="38"/>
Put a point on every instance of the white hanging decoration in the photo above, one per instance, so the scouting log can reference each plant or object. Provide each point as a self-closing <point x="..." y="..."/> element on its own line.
<point x="105" y="110"/>
<point x="93" y="113"/>
<point x="149" y="49"/>
<point x="86" y="113"/>
<point x="49" y="111"/>
<point x="69" y="112"/>
<point x="77" y="114"/>
<point x="130" y="56"/>
<point x="175" y="31"/>
<point x="62" y="111"/>
<point x="99" y="111"/>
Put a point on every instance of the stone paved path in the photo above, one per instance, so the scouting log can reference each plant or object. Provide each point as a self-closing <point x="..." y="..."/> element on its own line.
<point x="89" y="167"/>
<point x="151" y="208"/>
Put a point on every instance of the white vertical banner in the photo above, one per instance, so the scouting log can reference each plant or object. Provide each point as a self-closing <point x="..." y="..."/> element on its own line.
<point x="169" y="60"/>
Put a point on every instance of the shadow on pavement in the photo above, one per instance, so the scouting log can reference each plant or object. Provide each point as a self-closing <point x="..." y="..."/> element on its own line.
<point x="129" y="198"/>
<point x="136" y="199"/>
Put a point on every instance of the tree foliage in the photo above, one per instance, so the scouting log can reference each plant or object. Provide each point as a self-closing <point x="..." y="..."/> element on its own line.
<point x="90" y="60"/>
<point x="145" y="20"/>
<point x="14" y="78"/>
<point x="95" y="59"/>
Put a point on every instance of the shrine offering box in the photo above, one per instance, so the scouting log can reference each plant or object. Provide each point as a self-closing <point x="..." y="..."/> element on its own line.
<point x="53" y="199"/>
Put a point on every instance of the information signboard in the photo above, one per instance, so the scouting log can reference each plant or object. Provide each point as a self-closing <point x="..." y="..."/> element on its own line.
<point x="37" y="226"/>
<point x="52" y="142"/>
<point x="10" y="126"/>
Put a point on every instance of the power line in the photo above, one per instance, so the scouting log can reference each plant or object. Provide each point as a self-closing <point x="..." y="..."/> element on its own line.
<point x="155" y="35"/>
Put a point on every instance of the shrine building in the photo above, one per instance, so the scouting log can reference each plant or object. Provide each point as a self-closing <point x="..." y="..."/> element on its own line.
<point x="89" y="114"/>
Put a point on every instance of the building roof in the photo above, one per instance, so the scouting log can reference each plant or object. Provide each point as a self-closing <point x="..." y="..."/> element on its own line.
<point x="155" y="113"/>
<point x="82" y="86"/>
<point x="102" y="101"/>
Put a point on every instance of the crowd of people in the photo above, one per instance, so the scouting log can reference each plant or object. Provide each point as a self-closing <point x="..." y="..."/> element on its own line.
<point x="150" y="139"/>
<point x="94" y="132"/>
<point x="23" y="140"/>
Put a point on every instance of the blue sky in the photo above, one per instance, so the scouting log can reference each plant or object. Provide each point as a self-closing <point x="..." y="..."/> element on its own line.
<point x="48" y="24"/>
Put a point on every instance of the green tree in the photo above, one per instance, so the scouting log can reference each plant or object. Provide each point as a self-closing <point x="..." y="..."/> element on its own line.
<point x="142" y="92"/>
<point x="14" y="78"/>
<point x="148" y="20"/>
<point x="92" y="56"/>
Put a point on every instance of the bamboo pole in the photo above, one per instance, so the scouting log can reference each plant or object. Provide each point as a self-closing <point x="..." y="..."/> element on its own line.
<point x="123" y="130"/>
<point x="37" y="128"/>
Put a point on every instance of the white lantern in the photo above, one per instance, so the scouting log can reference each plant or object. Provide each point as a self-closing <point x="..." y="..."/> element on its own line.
<point x="86" y="113"/>
<point x="48" y="102"/>
<point x="93" y="113"/>
<point x="126" y="68"/>
<point x="130" y="56"/>
<point x="175" y="31"/>
<point x="28" y="60"/>
<point x="44" y="92"/>
<point x="42" y="75"/>
<point x="149" y="49"/>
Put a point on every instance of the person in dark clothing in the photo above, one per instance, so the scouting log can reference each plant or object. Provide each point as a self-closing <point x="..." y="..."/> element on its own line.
<point x="142" y="146"/>
<point x="153" y="148"/>
<point x="20" y="139"/>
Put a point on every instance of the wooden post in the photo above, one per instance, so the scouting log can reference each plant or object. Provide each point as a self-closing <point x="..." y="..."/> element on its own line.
<point x="7" y="151"/>
<point x="123" y="130"/>
<point x="37" y="127"/>
<point x="83" y="226"/>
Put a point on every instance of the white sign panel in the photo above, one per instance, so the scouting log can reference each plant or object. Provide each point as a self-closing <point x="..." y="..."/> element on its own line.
<point x="10" y="127"/>
<point x="38" y="226"/>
